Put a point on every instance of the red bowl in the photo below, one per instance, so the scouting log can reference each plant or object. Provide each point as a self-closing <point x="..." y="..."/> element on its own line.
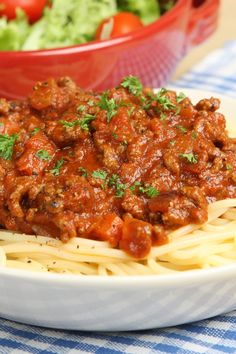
<point x="151" y="53"/>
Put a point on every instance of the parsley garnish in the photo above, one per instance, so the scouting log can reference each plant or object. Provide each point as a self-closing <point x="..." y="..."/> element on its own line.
<point x="108" y="105"/>
<point x="149" y="190"/>
<point x="84" y="122"/>
<point x="83" y="171"/>
<point x="163" y="116"/>
<point x="164" y="101"/>
<point x="172" y="142"/>
<point x="194" y="135"/>
<point x="181" y="96"/>
<point x="6" y="145"/>
<point x="114" y="135"/>
<point x="67" y="124"/>
<point x="229" y="167"/>
<point x="133" y="84"/>
<point x="80" y="108"/>
<point x="35" y="131"/>
<point x="91" y="103"/>
<point x="120" y="187"/>
<point x="181" y="128"/>
<point x="130" y="111"/>
<point x="56" y="169"/>
<point x="191" y="158"/>
<point x="43" y="155"/>
<point x="101" y="174"/>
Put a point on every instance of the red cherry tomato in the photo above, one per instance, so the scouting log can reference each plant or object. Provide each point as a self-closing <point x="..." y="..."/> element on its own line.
<point x="32" y="8"/>
<point x="122" y="23"/>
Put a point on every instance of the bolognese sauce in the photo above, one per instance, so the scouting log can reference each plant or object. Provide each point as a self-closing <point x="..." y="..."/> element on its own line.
<point x="125" y="166"/>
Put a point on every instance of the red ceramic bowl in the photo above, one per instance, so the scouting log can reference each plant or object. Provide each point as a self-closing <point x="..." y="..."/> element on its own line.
<point x="150" y="53"/>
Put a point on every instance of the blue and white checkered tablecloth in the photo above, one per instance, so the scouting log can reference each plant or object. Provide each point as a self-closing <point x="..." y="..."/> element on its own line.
<point x="215" y="336"/>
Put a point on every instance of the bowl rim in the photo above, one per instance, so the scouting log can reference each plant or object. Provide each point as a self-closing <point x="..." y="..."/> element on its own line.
<point x="145" y="31"/>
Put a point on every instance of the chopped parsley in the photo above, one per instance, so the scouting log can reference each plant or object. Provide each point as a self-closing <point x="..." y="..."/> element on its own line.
<point x="194" y="135"/>
<point x="164" y="101"/>
<point x="114" y="135"/>
<point x="130" y="111"/>
<point x="149" y="190"/>
<point x="35" y="131"/>
<point x="56" y="169"/>
<point x="80" y="108"/>
<point x="163" y="116"/>
<point x="83" y="172"/>
<point x="67" y="124"/>
<point x="91" y="103"/>
<point x="43" y="155"/>
<point x="181" y="96"/>
<point x="191" y="158"/>
<point x="114" y="181"/>
<point x="229" y="167"/>
<point x="101" y="174"/>
<point x="108" y="105"/>
<point x="172" y="142"/>
<point x="83" y="122"/>
<point x="133" y="84"/>
<point x="6" y="145"/>
<point x="182" y="129"/>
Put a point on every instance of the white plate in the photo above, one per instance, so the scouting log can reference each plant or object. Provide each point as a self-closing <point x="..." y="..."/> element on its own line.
<point x="120" y="303"/>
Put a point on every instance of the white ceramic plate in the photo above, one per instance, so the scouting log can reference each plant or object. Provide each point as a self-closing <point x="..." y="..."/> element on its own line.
<point x="120" y="303"/>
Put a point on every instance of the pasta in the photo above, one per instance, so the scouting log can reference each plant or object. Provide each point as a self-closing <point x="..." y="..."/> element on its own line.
<point x="190" y="247"/>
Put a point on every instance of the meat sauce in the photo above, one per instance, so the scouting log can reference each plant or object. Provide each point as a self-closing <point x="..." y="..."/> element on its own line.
<point x="124" y="166"/>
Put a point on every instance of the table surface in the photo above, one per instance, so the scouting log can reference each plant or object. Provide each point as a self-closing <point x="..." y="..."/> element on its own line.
<point x="226" y="31"/>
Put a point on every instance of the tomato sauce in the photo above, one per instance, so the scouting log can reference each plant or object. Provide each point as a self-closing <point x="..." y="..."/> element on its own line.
<point x="125" y="166"/>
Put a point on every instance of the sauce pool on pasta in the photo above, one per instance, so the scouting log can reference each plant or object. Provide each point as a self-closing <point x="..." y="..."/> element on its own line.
<point x="107" y="178"/>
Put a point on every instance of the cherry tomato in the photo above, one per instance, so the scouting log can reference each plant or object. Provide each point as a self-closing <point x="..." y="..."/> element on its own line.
<point x="122" y="23"/>
<point x="32" y="8"/>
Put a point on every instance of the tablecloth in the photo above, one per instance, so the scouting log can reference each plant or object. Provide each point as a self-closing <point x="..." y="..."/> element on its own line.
<point x="214" y="336"/>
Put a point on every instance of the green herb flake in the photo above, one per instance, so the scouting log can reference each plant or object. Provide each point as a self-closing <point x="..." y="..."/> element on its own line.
<point x="182" y="129"/>
<point x="56" y="169"/>
<point x="101" y="174"/>
<point x="7" y="145"/>
<point x="83" y="172"/>
<point x="120" y="190"/>
<point x="35" y="131"/>
<point x="108" y="105"/>
<point x="191" y="158"/>
<point x="115" y="136"/>
<point x="172" y="142"/>
<point x="91" y="103"/>
<point x="67" y="124"/>
<point x="194" y="135"/>
<point x="43" y="155"/>
<point x="181" y="96"/>
<point x="85" y="121"/>
<point x="151" y="191"/>
<point x="163" y="116"/>
<point x="133" y="84"/>
<point x="130" y="111"/>
<point x="229" y="167"/>
<point x="80" y="108"/>
<point x="164" y="101"/>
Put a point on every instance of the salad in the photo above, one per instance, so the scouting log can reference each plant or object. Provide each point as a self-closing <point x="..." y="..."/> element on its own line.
<point x="42" y="24"/>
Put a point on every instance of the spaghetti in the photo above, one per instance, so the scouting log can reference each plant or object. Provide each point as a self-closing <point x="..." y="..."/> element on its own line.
<point x="190" y="247"/>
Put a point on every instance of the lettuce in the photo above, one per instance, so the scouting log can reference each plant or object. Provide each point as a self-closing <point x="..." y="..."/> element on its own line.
<point x="147" y="10"/>
<point x="14" y="33"/>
